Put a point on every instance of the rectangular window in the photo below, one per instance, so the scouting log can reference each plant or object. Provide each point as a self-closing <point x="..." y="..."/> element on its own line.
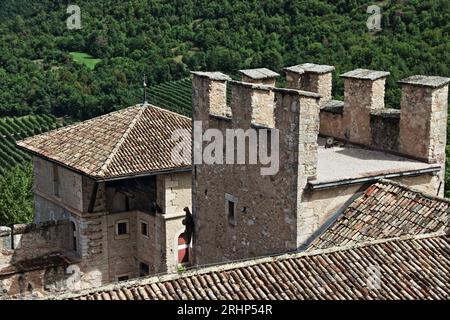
<point x="122" y="227"/>
<point x="55" y="180"/>
<point x="144" y="228"/>
<point x="143" y="269"/>
<point x="230" y="208"/>
<point x="123" y="278"/>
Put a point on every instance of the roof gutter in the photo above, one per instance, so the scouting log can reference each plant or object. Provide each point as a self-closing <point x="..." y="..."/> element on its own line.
<point x="142" y="175"/>
<point x="104" y="179"/>
<point x="333" y="184"/>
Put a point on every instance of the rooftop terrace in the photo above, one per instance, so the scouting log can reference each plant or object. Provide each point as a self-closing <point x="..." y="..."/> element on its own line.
<point x="349" y="164"/>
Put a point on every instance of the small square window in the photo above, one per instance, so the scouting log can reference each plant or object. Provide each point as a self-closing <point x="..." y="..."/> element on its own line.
<point x="122" y="227"/>
<point x="144" y="228"/>
<point x="143" y="269"/>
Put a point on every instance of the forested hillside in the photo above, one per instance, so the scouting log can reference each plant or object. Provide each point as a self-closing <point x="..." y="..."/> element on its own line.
<point x="49" y="70"/>
<point x="165" y="39"/>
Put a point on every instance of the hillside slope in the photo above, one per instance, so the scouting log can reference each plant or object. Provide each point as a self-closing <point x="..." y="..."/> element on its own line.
<point x="165" y="39"/>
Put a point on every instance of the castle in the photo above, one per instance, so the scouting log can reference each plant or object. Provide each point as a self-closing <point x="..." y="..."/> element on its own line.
<point x="284" y="212"/>
<point x="110" y="200"/>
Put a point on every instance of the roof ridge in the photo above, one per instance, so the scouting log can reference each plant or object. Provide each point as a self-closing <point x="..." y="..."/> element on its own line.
<point x="70" y="126"/>
<point x="106" y="147"/>
<point x="169" y="111"/>
<point x="439" y="233"/>
<point x="121" y="140"/>
<point x="220" y="267"/>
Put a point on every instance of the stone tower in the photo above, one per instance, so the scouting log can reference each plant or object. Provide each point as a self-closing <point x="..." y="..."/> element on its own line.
<point x="240" y="213"/>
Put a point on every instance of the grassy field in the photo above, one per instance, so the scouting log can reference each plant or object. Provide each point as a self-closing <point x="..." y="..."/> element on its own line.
<point x="84" y="58"/>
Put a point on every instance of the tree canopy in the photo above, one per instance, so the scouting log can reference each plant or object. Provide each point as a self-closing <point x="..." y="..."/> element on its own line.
<point x="166" y="39"/>
<point x="16" y="198"/>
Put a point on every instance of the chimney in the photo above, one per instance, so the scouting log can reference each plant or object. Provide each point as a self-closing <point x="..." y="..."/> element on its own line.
<point x="252" y="104"/>
<point x="363" y="93"/>
<point x="423" y="117"/>
<point x="259" y="76"/>
<point x="209" y="94"/>
<point x="311" y="77"/>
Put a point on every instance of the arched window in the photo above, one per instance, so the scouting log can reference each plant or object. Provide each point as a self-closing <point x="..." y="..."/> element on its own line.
<point x="183" y="249"/>
<point x="74" y="235"/>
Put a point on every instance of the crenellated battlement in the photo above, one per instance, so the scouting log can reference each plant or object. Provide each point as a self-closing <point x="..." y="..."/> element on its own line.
<point x="423" y="117"/>
<point x="241" y="212"/>
<point x="417" y="130"/>
<point x="254" y="186"/>
<point x="252" y="103"/>
<point x="259" y="76"/>
<point x="311" y="77"/>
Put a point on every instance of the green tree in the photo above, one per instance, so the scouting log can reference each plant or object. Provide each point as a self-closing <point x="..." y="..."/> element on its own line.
<point x="16" y="198"/>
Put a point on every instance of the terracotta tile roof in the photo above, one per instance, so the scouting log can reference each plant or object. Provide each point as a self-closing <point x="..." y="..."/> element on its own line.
<point x="386" y="210"/>
<point x="409" y="268"/>
<point x="53" y="259"/>
<point x="131" y="141"/>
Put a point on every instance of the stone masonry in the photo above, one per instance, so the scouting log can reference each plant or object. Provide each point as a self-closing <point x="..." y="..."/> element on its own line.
<point x="100" y="255"/>
<point x="280" y="213"/>
<point x="423" y="119"/>
<point x="417" y="130"/>
<point x="265" y="223"/>
<point x="239" y="213"/>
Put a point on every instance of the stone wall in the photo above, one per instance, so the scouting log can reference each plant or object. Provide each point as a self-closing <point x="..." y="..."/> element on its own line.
<point x="158" y="250"/>
<point x="43" y="261"/>
<point x="264" y="223"/>
<point x="332" y="123"/>
<point x="91" y="189"/>
<point x="48" y="209"/>
<point x="322" y="205"/>
<point x="101" y="255"/>
<point x="122" y="248"/>
<point x="33" y="260"/>
<point x="279" y="213"/>
<point x="423" y="120"/>
<point x="385" y="129"/>
<point x="107" y="255"/>
<point x="319" y="206"/>
<point x="311" y="77"/>
<point x="418" y="129"/>
<point x="361" y="97"/>
<point x="36" y="283"/>
<point x="67" y="189"/>
<point x="28" y="241"/>
<point x="93" y="250"/>
<point x="177" y="195"/>
<point x="151" y="249"/>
